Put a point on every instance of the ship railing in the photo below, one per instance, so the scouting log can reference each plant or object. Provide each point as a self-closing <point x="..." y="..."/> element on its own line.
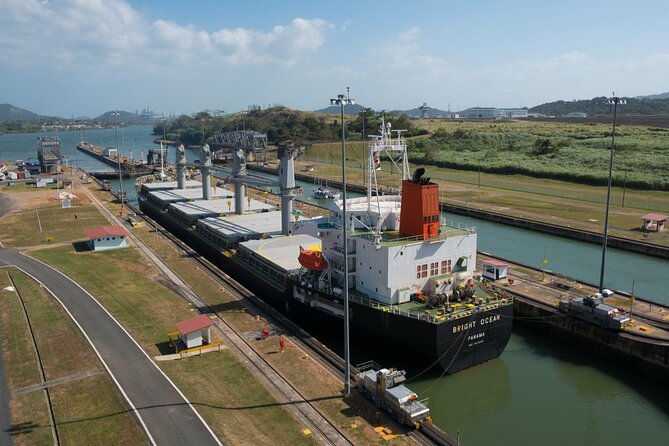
<point x="340" y="249"/>
<point x="393" y="309"/>
<point x="429" y="316"/>
<point x="451" y="229"/>
<point x="368" y="365"/>
<point x="458" y="225"/>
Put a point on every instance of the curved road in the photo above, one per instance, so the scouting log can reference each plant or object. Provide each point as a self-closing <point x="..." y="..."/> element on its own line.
<point x="167" y="417"/>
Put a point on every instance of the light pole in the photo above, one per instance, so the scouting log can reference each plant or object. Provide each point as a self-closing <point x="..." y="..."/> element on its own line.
<point x="115" y="114"/>
<point x="342" y="100"/>
<point x="615" y="101"/>
<point x="76" y="151"/>
<point x="362" y="164"/>
<point x="202" y="130"/>
<point x="162" y="154"/>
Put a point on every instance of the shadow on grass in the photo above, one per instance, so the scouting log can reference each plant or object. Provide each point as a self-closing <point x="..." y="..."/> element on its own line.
<point x="165" y="348"/>
<point x="81" y="246"/>
<point x="236" y="306"/>
<point x="191" y="254"/>
<point x="23" y="428"/>
<point x="26" y="427"/>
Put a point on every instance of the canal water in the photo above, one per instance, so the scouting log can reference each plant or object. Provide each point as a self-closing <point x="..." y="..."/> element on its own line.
<point x="539" y="391"/>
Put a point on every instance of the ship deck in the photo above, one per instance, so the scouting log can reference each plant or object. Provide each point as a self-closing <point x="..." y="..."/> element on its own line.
<point x="395" y="238"/>
<point x="454" y="310"/>
<point x="198" y="209"/>
<point x="167" y="196"/>
<point x="282" y="251"/>
<point x="244" y="227"/>
<point x="167" y="185"/>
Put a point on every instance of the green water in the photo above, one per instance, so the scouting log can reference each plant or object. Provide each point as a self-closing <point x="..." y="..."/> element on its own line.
<point x="539" y="392"/>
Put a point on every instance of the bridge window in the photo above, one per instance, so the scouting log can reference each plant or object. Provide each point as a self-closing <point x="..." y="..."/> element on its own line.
<point x="421" y="271"/>
<point x="445" y="266"/>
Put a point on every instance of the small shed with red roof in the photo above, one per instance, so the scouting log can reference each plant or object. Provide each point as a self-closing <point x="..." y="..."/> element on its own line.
<point x="107" y="237"/>
<point x="654" y="222"/>
<point x="494" y="269"/>
<point x="196" y="331"/>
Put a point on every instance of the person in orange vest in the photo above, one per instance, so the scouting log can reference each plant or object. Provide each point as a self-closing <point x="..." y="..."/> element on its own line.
<point x="282" y="343"/>
<point x="265" y="332"/>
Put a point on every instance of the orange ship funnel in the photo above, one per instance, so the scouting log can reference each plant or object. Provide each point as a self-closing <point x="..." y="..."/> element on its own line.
<point x="420" y="207"/>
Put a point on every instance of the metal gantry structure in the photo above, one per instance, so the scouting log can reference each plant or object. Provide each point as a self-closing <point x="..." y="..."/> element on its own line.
<point x="49" y="153"/>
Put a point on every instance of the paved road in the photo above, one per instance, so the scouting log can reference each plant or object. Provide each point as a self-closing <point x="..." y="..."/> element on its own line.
<point x="166" y="415"/>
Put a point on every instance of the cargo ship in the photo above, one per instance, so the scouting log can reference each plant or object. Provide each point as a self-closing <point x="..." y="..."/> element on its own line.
<point x="412" y="284"/>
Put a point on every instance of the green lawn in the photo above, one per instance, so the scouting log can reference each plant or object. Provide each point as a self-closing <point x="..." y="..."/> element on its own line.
<point x="217" y="384"/>
<point x="49" y="223"/>
<point x="88" y="410"/>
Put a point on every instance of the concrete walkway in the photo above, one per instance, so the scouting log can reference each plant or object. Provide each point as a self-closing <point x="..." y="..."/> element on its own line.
<point x="163" y="411"/>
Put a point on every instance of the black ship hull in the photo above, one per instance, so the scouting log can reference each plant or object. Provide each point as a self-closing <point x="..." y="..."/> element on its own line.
<point x="455" y="344"/>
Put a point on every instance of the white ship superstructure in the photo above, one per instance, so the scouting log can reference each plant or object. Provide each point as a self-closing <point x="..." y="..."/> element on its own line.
<point x="383" y="263"/>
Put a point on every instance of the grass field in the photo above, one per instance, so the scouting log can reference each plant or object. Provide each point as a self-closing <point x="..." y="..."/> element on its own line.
<point x="310" y="378"/>
<point x="558" y="202"/>
<point x="86" y="410"/>
<point x="576" y="152"/>
<point x="41" y="219"/>
<point x="149" y="310"/>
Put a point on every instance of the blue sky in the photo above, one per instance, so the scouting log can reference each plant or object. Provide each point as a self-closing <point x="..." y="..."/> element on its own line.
<point x="84" y="57"/>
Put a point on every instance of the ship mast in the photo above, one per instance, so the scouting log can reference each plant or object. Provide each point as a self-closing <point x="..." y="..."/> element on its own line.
<point x="384" y="143"/>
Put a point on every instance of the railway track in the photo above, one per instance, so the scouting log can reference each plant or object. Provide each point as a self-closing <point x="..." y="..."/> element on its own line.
<point x="429" y="434"/>
<point x="303" y="409"/>
<point x="40" y="365"/>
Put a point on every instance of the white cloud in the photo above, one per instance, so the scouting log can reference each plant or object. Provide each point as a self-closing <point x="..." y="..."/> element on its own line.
<point x="404" y="56"/>
<point x="562" y="61"/>
<point x="113" y="33"/>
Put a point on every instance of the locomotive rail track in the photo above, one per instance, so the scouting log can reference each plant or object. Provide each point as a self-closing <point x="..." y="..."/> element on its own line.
<point x="428" y="434"/>
<point x="303" y="409"/>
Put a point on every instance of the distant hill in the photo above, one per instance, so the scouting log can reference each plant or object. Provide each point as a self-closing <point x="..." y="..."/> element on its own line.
<point x="353" y="109"/>
<point x="8" y="112"/>
<point x="430" y="113"/>
<point x="123" y="116"/>
<point x="600" y="106"/>
<point x="655" y="96"/>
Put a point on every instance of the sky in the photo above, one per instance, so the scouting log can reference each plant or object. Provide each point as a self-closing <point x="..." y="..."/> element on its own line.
<point x="85" y="57"/>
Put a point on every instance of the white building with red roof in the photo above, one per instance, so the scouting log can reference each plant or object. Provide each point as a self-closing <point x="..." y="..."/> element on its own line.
<point x="494" y="269"/>
<point x="107" y="237"/>
<point x="196" y="331"/>
<point x="654" y="222"/>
